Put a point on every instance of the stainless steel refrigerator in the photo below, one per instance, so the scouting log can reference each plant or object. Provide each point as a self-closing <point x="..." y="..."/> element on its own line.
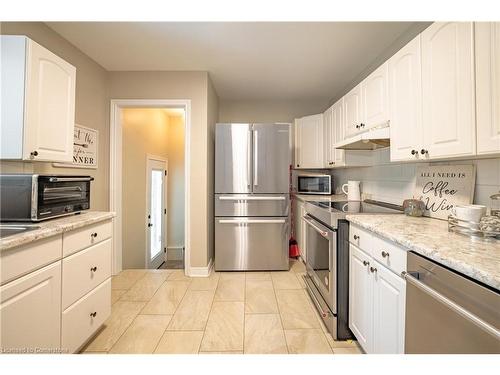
<point x="252" y="202"/>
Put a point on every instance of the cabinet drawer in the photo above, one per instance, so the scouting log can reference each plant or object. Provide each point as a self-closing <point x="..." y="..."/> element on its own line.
<point x="361" y="238"/>
<point x="84" y="237"/>
<point x="84" y="270"/>
<point x="389" y="254"/>
<point x="20" y="260"/>
<point x="78" y="322"/>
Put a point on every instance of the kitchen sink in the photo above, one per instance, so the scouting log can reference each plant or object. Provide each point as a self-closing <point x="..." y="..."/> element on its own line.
<point x="11" y="229"/>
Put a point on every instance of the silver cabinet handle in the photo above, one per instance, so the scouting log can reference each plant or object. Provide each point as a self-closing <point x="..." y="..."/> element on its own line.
<point x="255" y="221"/>
<point x="255" y="158"/>
<point x="251" y="198"/>
<point x="385" y="254"/>
<point x="70" y="179"/>
<point x="318" y="229"/>
<point x="452" y="305"/>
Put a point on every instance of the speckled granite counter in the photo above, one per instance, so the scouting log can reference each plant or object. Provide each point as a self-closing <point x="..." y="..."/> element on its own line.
<point x="327" y="198"/>
<point x="52" y="227"/>
<point x="476" y="258"/>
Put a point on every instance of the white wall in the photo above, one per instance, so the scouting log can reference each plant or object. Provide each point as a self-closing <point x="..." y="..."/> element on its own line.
<point x="391" y="182"/>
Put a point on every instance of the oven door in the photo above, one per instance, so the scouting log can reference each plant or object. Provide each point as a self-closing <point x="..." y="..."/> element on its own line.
<point x="321" y="259"/>
<point x="59" y="195"/>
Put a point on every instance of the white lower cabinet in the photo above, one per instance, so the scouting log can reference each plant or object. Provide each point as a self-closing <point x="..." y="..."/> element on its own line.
<point x="376" y="301"/>
<point x="84" y="317"/>
<point x="388" y="311"/>
<point x="30" y="312"/>
<point x="72" y="292"/>
<point x="360" y="297"/>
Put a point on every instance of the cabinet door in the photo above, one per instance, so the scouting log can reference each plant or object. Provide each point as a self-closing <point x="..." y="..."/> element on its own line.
<point x="352" y="112"/>
<point x="310" y="132"/>
<point x="375" y="99"/>
<point x="389" y="292"/>
<point x="448" y="90"/>
<point x="338" y="127"/>
<point x="488" y="87"/>
<point x="329" y="138"/>
<point x="31" y="310"/>
<point x="50" y="106"/>
<point x="405" y="93"/>
<point x="360" y="297"/>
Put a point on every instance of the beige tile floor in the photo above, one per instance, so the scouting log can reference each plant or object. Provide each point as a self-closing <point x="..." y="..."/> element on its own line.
<point x="163" y="311"/>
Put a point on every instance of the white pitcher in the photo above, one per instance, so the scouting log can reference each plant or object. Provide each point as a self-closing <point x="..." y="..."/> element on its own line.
<point x="352" y="190"/>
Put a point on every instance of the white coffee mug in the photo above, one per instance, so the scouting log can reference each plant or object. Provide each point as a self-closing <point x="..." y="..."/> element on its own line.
<point x="352" y="190"/>
<point x="469" y="212"/>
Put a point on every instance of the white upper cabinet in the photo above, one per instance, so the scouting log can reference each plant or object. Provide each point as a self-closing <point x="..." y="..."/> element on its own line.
<point x="352" y="112"/>
<point x="309" y="142"/>
<point x="405" y="109"/>
<point x="338" y="126"/>
<point x="374" y="98"/>
<point x="487" y="37"/>
<point x="448" y="90"/>
<point x="329" y="138"/>
<point x="38" y="102"/>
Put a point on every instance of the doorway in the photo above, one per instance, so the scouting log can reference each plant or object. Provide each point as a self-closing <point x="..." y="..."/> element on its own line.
<point x="156" y="211"/>
<point x="153" y="244"/>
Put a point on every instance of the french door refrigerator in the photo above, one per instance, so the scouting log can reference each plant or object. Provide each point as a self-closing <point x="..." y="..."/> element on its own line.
<point x="252" y="201"/>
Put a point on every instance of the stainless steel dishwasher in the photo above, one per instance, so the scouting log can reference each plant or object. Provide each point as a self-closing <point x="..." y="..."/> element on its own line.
<point x="447" y="312"/>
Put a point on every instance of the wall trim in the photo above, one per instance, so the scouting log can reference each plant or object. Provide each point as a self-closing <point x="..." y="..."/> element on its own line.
<point x="115" y="171"/>
<point x="201" y="271"/>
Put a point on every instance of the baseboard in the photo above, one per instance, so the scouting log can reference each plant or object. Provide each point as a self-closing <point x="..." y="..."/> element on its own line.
<point x="201" y="271"/>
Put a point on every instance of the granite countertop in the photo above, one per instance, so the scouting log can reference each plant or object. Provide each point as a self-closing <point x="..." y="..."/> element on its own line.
<point x="326" y="198"/>
<point x="474" y="257"/>
<point x="55" y="226"/>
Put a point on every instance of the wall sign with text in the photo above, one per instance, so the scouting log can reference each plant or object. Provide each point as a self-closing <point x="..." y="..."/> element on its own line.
<point x="85" y="143"/>
<point x="441" y="187"/>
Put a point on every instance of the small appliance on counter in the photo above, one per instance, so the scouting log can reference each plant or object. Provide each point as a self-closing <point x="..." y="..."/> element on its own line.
<point x="314" y="183"/>
<point x="37" y="197"/>
<point x="414" y="207"/>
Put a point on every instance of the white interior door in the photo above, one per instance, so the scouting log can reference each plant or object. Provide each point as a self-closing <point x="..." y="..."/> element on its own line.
<point x="156" y="188"/>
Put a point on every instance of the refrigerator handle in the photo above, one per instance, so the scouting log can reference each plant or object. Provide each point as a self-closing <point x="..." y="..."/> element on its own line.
<point x="255" y="158"/>
<point x="249" y="157"/>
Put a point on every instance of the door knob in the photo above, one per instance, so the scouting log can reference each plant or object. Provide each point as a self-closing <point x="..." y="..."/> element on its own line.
<point x="356" y="237"/>
<point x="373" y="269"/>
<point x="423" y="151"/>
<point x="34" y="153"/>
<point x="366" y="263"/>
<point x="150" y="225"/>
<point x="93" y="235"/>
<point x="385" y="254"/>
<point x="93" y="314"/>
<point x="362" y="125"/>
<point x="93" y="269"/>
<point x="357" y="126"/>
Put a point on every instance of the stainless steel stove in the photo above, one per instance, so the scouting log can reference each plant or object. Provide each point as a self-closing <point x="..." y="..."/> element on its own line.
<point x="327" y="253"/>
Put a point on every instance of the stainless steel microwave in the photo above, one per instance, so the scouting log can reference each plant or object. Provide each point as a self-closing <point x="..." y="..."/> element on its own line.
<point x="34" y="197"/>
<point x="314" y="184"/>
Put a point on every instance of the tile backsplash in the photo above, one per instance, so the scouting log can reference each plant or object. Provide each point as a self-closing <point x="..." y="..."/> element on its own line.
<point x="392" y="182"/>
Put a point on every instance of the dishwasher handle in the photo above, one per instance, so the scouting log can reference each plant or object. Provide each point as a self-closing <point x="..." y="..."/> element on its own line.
<point x="488" y="328"/>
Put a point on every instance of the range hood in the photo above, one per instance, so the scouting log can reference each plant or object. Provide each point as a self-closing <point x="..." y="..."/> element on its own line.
<point x="372" y="139"/>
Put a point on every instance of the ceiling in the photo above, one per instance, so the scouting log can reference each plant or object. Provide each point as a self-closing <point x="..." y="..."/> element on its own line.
<point x="246" y="61"/>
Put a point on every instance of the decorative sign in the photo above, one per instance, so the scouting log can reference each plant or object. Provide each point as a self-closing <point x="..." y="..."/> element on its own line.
<point x="84" y="148"/>
<point x="441" y="187"/>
